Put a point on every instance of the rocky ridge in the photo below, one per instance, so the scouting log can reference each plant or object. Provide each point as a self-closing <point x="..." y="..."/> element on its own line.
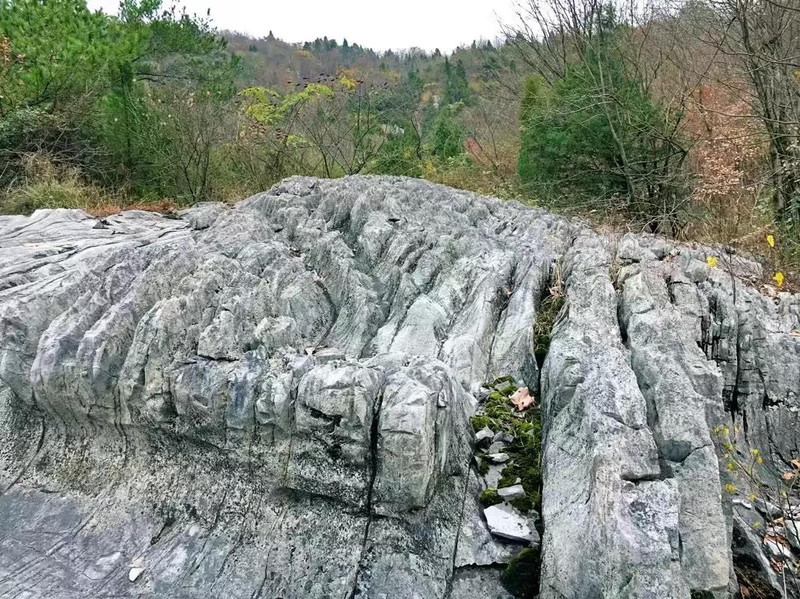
<point x="274" y="400"/>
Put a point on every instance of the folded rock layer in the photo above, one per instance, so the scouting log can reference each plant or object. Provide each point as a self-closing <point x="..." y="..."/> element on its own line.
<point x="273" y="399"/>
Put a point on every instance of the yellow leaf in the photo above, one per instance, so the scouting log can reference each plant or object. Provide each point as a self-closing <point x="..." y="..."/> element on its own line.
<point x="771" y="240"/>
<point x="779" y="278"/>
<point x="730" y="488"/>
<point x="711" y="261"/>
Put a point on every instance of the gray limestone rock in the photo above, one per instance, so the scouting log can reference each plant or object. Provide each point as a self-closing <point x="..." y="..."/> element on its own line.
<point x="503" y="437"/>
<point x="483" y="435"/>
<point x="496" y="447"/>
<point x="507" y="523"/>
<point x="273" y="399"/>
<point x="498" y="458"/>
<point x="512" y="492"/>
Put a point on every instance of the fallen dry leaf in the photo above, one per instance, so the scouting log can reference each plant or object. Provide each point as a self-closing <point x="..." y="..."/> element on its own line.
<point x="795" y="333"/>
<point x="788" y="475"/>
<point x="523" y="399"/>
<point x="796" y="464"/>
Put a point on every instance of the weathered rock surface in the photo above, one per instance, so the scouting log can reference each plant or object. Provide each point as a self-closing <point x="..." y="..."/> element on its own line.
<point x="273" y="400"/>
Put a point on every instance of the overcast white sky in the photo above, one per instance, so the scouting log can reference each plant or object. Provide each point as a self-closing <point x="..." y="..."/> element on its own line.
<point x="378" y="24"/>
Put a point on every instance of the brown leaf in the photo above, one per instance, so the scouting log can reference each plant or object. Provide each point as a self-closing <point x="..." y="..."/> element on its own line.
<point x="788" y="475"/>
<point x="523" y="399"/>
<point x="796" y="464"/>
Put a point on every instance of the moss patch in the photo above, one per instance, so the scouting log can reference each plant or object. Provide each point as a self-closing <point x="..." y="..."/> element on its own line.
<point x="521" y="576"/>
<point x="489" y="497"/>
<point x="523" y="504"/>
<point x="500" y="415"/>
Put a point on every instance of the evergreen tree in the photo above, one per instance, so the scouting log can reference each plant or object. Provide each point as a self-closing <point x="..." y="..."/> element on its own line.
<point x="456" y="88"/>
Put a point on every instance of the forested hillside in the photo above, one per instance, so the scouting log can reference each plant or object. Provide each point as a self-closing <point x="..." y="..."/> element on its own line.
<point x="676" y="119"/>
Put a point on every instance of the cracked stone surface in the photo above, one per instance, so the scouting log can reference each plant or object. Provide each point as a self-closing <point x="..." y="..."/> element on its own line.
<point x="272" y="400"/>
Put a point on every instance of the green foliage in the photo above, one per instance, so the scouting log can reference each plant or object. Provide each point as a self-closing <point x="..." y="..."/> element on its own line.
<point x="414" y="83"/>
<point x="523" y="504"/>
<point x="269" y="107"/>
<point x="81" y="90"/>
<point x="24" y="200"/>
<point x="533" y="96"/>
<point x="489" y="497"/>
<point x="47" y="186"/>
<point x="456" y="87"/>
<point x="401" y="154"/>
<point x="63" y="51"/>
<point x="480" y="422"/>
<point x="598" y="134"/>
<point x="447" y="138"/>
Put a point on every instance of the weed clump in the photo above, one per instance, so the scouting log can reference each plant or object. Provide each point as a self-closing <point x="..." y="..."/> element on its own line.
<point x="546" y="316"/>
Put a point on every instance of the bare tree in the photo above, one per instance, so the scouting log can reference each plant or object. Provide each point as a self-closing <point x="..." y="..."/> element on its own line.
<point x="765" y="36"/>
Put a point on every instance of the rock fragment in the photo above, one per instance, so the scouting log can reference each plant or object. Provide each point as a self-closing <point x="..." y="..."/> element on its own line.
<point x="512" y="492"/>
<point x="506" y="522"/>
<point x="498" y="458"/>
<point x="483" y="435"/>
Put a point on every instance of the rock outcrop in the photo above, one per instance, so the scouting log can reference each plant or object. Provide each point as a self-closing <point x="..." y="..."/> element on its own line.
<point x="273" y="400"/>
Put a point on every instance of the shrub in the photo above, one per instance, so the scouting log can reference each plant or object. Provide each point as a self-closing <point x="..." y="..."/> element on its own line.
<point x="596" y="137"/>
<point x="447" y="137"/>
<point x="46" y="184"/>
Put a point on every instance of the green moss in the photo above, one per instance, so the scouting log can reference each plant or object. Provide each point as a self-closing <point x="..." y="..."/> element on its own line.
<point x="508" y="390"/>
<point x="521" y="576"/>
<point x="479" y="422"/>
<point x="523" y="504"/>
<point x="490" y="497"/>
<point x="483" y="467"/>
<point x="497" y="396"/>
<point x="505" y="481"/>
